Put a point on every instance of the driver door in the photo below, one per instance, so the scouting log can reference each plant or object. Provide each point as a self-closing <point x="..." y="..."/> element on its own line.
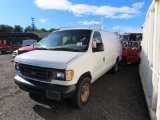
<point x="98" y="58"/>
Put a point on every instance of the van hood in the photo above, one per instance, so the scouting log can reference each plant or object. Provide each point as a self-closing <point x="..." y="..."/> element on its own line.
<point x="46" y="58"/>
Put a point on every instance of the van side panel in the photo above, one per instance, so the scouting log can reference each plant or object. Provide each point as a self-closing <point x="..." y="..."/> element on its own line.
<point x="112" y="50"/>
<point x="81" y="64"/>
<point x="109" y="50"/>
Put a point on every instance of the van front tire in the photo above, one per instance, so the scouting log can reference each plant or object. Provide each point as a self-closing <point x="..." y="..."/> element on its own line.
<point x="83" y="91"/>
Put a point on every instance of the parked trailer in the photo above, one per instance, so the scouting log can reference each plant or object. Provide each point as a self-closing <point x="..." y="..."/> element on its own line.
<point x="150" y="59"/>
<point x="13" y="41"/>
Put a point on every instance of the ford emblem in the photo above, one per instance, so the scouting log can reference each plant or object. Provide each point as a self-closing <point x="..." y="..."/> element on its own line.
<point x="33" y="73"/>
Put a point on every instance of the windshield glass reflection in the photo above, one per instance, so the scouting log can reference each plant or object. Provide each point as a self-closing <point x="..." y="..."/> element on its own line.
<point x="67" y="40"/>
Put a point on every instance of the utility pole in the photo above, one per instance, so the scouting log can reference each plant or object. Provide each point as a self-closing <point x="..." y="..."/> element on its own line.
<point x="33" y="25"/>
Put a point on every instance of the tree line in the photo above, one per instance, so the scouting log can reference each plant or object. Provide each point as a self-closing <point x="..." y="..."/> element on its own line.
<point x="18" y="28"/>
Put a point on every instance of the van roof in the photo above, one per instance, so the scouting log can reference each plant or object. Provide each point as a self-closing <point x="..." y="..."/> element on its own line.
<point x="80" y="29"/>
<point x="75" y="28"/>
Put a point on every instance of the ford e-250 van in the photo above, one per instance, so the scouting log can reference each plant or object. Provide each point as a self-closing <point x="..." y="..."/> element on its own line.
<point x="67" y="62"/>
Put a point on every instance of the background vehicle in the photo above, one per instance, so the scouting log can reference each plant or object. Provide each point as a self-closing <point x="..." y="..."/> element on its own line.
<point x="25" y="43"/>
<point x="28" y="42"/>
<point x="13" y="41"/>
<point x="131" y="48"/>
<point x="14" y="53"/>
<point x="29" y="48"/>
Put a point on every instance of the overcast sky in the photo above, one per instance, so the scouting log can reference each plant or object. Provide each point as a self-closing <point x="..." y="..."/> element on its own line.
<point x="128" y="15"/>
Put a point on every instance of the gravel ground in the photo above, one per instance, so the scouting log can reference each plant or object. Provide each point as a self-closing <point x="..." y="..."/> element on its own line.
<point x="114" y="97"/>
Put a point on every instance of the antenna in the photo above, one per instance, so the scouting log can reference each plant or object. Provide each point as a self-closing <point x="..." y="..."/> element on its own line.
<point x="60" y="25"/>
<point x="119" y="31"/>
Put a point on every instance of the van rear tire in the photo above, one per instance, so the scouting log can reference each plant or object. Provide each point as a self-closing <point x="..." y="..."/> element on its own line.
<point x="115" y="68"/>
<point x="83" y="92"/>
<point x="3" y="52"/>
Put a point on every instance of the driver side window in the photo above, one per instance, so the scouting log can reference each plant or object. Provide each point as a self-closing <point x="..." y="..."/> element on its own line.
<point x="96" y="39"/>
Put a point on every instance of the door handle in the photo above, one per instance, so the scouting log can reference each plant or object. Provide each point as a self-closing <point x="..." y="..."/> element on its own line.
<point x="103" y="58"/>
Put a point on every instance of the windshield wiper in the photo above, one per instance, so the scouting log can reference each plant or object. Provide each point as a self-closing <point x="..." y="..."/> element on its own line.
<point x="64" y="49"/>
<point x="42" y="48"/>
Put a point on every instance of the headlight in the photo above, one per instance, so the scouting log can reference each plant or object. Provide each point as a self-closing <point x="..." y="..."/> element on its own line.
<point x="17" y="66"/>
<point x="69" y="75"/>
<point x="63" y="75"/>
<point x="60" y="75"/>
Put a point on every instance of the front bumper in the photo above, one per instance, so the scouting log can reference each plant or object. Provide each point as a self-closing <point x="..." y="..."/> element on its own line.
<point x="41" y="89"/>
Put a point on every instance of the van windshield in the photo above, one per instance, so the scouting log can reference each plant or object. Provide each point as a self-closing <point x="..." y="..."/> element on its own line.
<point x="67" y="40"/>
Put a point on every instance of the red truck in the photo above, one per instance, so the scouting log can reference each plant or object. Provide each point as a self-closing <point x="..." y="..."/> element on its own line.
<point x="131" y="48"/>
<point x="29" y="48"/>
<point x="25" y="43"/>
<point x="4" y="47"/>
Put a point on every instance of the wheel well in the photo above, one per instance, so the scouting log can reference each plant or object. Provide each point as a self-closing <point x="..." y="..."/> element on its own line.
<point x="117" y="59"/>
<point x="87" y="74"/>
<point x="123" y="57"/>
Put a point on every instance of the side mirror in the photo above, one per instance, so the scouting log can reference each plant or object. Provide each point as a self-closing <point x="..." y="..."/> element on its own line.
<point x="100" y="47"/>
<point x="140" y="47"/>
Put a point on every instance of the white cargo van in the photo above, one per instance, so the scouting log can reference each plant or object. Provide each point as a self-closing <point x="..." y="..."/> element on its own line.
<point x="67" y="62"/>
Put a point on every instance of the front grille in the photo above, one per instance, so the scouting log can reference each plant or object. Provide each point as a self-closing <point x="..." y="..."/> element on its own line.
<point x="34" y="72"/>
